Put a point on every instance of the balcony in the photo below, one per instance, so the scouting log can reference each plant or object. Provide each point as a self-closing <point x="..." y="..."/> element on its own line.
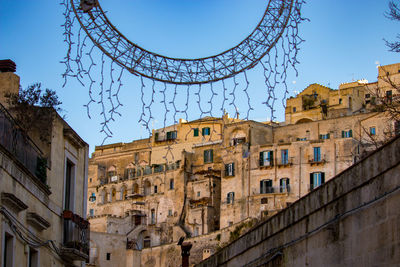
<point x="317" y="160"/>
<point x="18" y="144"/>
<point x="275" y="190"/>
<point x="285" y="163"/>
<point x="266" y="164"/>
<point x="76" y="237"/>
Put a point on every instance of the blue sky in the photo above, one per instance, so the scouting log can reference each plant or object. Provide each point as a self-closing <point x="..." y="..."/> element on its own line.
<point x="344" y="42"/>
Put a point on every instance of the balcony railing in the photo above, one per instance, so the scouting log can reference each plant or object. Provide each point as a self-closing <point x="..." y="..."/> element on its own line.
<point x="321" y="159"/>
<point x="76" y="237"/>
<point x="285" y="163"/>
<point x="18" y="143"/>
<point x="275" y="189"/>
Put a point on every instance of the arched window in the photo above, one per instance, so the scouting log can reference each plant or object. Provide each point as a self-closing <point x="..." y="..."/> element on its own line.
<point x="147" y="242"/>
<point x="135" y="188"/>
<point x="147" y="188"/>
<point x="123" y="192"/>
<point x="103" y="195"/>
<point x="113" y="195"/>
<point x="230" y="197"/>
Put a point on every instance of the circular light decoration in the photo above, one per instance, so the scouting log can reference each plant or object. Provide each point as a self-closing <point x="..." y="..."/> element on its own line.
<point x="279" y="25"/>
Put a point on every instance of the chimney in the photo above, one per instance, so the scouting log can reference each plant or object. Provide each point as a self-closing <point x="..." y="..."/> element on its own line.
<point x="9" y="81"/>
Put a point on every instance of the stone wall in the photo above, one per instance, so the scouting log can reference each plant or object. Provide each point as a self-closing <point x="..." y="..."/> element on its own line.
<point x="352" y="220"/>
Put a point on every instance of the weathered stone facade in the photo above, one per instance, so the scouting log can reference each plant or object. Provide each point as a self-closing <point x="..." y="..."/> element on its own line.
<point x="43" y="187"/>
<point x="201" y="177"/>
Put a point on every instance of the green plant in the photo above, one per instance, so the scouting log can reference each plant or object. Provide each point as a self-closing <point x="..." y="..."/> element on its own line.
<point x="34" y="109"/>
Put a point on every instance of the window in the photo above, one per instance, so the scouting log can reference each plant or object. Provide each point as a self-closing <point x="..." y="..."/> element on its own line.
<point x="8" y="250"/>
<point x="340" y="101"/>
<point x="136" y="157"/>
<point x="264" y="200"/>
<point x="208" y="156"/>
<point x="237" y="141"/>
<point x="155" y="189"/>
<point x="230" y="197"/>
<point x="91" y="212"/>
<point x="196" y="231"/>
<point x="397" y="127"/>
<point x="284" y="156"/>
<point x="172" y="135"/>
<point x="205" y="131"/>
<point x="301" y="139"/>
<point x="267" y="158"/>
<point x="317" y="154"/>
<point x="130" y="173"/>
<point x="367" y="95"/>
<point x="316" y="179"/>
<point x="92" y="197"/>
<point x="169" y="213"/>
<point x="284" y="186"/>
<point x="156" y="136"/>
<point x="147" y="242"/>
<point x="196" y="132"/>
<point x="147" y="188"/>
<point x="198" y="194"/>
<point x="171" y="184"/>
<point x="294" y="109"/>
<point x="266" y="186"/>
<point x="153" y="217"/>
<point x="108" y="256"/>
<point x="372" y="131"/>
<point x="33" y="257"/>
<point x="324" y="136"/>
<point x="347" y="134"/>
<point x="389" y="96"/>
<point x="69" y="184"/>
<point x="230" y="169"/>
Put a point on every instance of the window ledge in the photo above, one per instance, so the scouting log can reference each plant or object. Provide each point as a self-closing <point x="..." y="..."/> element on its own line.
<point x="13" y="202"/>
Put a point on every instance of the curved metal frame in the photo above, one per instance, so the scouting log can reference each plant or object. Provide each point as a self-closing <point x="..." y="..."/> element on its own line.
<point x="137" y="60"/>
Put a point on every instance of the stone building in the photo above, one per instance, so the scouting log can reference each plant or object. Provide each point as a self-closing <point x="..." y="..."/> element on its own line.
<point x="43" y="187"/>
<point x="200" y="177"/>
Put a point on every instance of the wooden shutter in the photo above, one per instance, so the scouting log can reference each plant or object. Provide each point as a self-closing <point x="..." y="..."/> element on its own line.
<point x="196" y="132"/>
<point x="322" y="177"/>
<point x="233" y="169"/>
<point x="350" y="133"/>
<point x="211" y="156"/>
<point x="342" y="134"/>
<point x="261" y="158"/>
<point x="261" y="187"/>
<point x="311" y="180"/>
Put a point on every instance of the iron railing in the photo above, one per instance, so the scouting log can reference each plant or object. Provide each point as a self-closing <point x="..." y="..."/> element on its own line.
<point x="18" y="143"/>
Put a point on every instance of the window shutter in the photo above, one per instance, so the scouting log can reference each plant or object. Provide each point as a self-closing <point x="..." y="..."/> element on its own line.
<point x="202" y="131"/>
<point x="205" y="156"/>
<point x="196" y="132"/>
<point x="226" y="169"/>
<point x="287" y="181"/>
<point x="211" y="156"/>
<point x="233" y="169"/>
<point x="311" y="181"/>
<point x="261" y="158"/>
<point x="342" y="134"/>
<point x="281" y="182"/>
<point x="328" y="136"/>
<point x="350" y="133"/>
<point x="322" y="177"/>
<point x="261" y="187"/>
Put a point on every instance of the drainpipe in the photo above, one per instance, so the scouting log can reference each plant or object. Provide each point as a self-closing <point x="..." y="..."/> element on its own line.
<point x="300" y="172"/>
